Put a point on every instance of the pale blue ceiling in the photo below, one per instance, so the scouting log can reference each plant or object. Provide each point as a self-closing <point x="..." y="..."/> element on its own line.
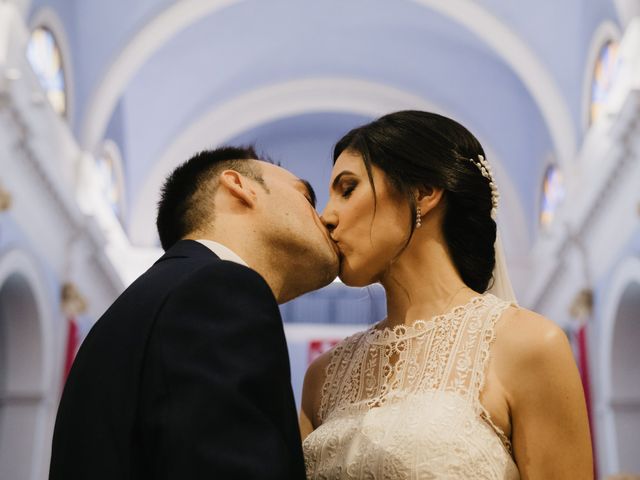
<point x="400" y="44"/>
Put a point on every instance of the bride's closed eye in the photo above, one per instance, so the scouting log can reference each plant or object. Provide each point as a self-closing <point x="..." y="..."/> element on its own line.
<point x="348" y="188"/>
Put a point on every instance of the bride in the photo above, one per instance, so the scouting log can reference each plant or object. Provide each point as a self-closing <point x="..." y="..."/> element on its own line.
<point x="455" y="382"/>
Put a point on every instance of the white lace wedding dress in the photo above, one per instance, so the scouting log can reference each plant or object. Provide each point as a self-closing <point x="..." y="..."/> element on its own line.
<point x="404" y="403"/>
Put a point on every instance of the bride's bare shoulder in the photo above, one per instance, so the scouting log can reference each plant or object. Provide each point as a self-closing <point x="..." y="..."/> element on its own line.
<point x="528" y="332"/>
<point x="529" y="344"/>
<point x="537" y="370"/>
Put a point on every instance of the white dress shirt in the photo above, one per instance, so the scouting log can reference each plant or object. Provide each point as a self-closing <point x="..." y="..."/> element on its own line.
<point x="225" y="253"/>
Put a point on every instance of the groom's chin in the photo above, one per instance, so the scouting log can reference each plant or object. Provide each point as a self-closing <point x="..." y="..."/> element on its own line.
<point x="330" y="274"/>
<point x="331" y="268"/>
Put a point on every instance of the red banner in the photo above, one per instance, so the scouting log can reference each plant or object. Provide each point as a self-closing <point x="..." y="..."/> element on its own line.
<point x="318" y="347"/>
<point x="72" y="346"/>
<point x="583" y="365"/>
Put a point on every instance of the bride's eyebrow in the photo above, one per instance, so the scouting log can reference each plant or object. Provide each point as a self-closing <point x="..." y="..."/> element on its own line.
<point x="336" y="180"/>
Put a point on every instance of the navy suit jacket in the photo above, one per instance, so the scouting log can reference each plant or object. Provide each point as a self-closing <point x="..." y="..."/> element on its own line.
<point x="185" y="376"/>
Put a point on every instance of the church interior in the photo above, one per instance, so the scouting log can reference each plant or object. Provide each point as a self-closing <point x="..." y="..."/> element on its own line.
<point x="100" y="101"/>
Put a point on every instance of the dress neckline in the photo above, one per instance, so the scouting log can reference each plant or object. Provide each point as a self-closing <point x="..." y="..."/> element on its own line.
<point x="421" y="326"/>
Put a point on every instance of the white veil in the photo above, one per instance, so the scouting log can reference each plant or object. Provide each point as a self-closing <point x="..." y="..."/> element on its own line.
<point x="501" y="287"/>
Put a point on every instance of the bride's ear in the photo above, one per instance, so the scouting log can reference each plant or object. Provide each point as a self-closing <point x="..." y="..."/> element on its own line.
<point x="238" y="186"/>
<point x="428" y="198"/>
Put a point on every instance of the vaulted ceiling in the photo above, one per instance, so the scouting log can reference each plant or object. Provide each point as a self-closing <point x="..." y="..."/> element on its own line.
<point x="163" y="79"/>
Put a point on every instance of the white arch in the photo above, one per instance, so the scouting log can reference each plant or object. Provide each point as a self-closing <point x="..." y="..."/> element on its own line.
<point x="17" y="262"/>
<point x="625" y="275"/>
<point x="289" y="99"/>
<point x="626" y="10"/>
<point x="488" y="28"/>
<point x="144" y="44"/>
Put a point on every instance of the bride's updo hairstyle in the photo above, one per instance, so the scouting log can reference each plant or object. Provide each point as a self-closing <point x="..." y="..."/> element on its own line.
<point x="420" y="149"/>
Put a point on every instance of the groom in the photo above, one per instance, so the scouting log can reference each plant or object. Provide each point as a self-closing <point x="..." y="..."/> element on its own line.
<point x="186" y="375"/>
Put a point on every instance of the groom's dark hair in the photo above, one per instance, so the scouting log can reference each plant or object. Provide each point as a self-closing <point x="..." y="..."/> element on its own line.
<point x="185" y="201"/>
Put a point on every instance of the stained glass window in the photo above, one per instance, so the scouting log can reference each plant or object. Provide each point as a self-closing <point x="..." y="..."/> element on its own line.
<point x="603" y="77"/>
<point x="44" y="56"/>
<point x="552" y="195"/>
<point x="111" y="183"/>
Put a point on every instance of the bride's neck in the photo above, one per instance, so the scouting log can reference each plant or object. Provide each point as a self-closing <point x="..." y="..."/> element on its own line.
<point x="422" y="282"/>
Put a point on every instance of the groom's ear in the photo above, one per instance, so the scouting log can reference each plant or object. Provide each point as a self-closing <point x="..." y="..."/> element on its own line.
<point x="428" y="198"/>
<point x="238" y="186"/>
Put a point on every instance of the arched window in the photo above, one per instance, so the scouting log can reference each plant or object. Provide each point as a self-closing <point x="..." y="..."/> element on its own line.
<point x="45" y="58"/>
<point x="552" y="195"/>
<point x="111" y="178"/>
<point x="604" y="75"/>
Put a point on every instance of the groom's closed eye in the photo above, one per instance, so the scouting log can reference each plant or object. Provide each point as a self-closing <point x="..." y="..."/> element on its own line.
<point x="310" y="193"/>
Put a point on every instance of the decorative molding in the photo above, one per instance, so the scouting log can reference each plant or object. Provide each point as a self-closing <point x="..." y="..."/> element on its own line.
<point x="73" y="303"/>
<point x="61" y="201"/>
<point x="5" y="199"/>
<point x="42" y="161"/>
<point x="16" y="123"/>
<point x="33" y="134"/>
<point x="608" y="163"/>
<point x="585" y="226"/>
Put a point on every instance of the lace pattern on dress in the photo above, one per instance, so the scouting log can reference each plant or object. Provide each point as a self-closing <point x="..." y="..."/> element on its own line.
<point x="449" y="352"/>
<point x="485" y="353"/>
<point x="404" y="403"/>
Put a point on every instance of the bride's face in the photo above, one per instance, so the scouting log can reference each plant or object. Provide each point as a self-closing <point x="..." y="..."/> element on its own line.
<point x="369" y="235"/>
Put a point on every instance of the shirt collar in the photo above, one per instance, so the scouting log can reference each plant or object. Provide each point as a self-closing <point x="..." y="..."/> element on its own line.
<point x="221" y="251"/>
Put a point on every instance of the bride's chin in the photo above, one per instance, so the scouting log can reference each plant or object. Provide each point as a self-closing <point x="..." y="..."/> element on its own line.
<point x="353" y="278"/>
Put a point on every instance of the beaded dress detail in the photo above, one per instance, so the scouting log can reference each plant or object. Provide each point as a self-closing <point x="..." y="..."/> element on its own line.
<point x="404" y="403"/>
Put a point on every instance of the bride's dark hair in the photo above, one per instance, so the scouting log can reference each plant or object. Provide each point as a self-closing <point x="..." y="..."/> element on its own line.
<point x="421" y="149"/>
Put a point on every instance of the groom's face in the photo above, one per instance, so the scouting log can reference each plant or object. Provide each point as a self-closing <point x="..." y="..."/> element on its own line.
<point x="294" y="228"/>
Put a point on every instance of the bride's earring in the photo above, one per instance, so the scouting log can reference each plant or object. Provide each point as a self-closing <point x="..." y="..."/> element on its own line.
<point x="418" y="218"/>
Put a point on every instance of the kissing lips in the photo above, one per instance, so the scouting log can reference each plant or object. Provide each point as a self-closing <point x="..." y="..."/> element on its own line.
<point x="339" y="251"/>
